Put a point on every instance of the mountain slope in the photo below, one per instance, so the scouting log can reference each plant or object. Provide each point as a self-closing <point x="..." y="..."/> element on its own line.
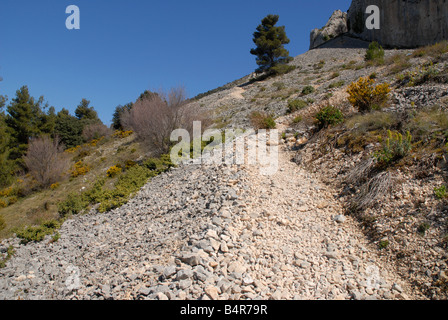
<point x="227" y="232"/>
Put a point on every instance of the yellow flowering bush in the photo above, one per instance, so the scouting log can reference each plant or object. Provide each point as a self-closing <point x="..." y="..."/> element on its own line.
<point x="73" y="150"/>
<point x="3" y="204"/>
<point x="123" y="134"/>
<point x="54" y="186"/>
<point x="365" y="96"/>
<point x="6" y="192"/>
<point x="113" y="171"/>
<point x="80" y="169"/>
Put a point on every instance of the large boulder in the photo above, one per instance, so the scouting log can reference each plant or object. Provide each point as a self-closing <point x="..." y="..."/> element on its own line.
<point x="403" y="23"/>
<point x="336" y="25"/>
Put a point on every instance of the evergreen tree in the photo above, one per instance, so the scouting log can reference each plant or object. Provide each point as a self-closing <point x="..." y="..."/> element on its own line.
<point x="269" y="39"/>
<point x="69" y="129"/>
<point x="84" y="112"/>
<point x="48" y="124"/>
<point x="23" y="121"/>
<point x="116" y="118"/>
<point x="6" y="166"/>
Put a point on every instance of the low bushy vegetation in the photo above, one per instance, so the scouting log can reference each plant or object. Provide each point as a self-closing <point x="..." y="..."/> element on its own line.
<point x="337" y="84"/>
<point x="114" y="171"/>
<point x="38" y="233"/>
<point x="79" y="169"/>
<point x="128" y="182"/>
<point x="46" y="161"/>
<point x="9" y="253"/>
<point x="308" y="90"/>
<point x="398" y="62"/>
<point x="394" y="147"/>
<point x="261" y="120"/>
<point x="375" y="54"/>
<point x="328" y="116"/>
<point x="365" y="96"/>
<point x="441" y="192"/>
<point x="296" y="104"/>
<point x="432" y="51"/>
<point x="422" y="74"/>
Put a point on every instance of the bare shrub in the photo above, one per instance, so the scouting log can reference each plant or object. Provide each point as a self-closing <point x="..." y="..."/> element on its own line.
<point x="46" y="161"/>
<point x="360" y="173"/>
<point x="374" y="190"/>
<point x="95" y="131"/>
<point x="153" y="118"/>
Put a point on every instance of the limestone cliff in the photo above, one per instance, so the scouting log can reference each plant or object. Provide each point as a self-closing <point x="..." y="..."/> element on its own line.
<point x="336" y="25"/>
<point x="403" y="23"/>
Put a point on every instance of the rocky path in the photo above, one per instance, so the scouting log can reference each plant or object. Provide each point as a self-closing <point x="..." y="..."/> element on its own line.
<point x="310" y="249"/>
<point x="208" y="232"/>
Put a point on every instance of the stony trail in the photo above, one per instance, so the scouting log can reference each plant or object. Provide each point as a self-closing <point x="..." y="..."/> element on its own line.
<point x="209" y="232"/>
<point x="317" y="252"/>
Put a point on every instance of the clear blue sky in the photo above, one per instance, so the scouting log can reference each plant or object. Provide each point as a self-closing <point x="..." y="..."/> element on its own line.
<point x="127" y="46"/>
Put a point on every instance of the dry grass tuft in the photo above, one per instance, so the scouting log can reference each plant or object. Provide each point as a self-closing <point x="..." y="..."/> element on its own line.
<point x="372" y="191"/>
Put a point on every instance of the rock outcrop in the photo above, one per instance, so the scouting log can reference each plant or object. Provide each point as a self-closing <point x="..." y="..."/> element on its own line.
<point x="336" y="25"/>
<point x="403" y="23"/>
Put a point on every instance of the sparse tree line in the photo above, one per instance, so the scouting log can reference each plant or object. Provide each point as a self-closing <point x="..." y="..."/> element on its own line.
<point x="33" y="135"/>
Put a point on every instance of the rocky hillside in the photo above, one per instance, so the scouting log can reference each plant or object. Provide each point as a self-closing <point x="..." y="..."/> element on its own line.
<point x="227" y="232"/>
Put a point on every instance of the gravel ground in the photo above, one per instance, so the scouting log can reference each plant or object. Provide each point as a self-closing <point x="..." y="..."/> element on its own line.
<point x="209" y="232"/>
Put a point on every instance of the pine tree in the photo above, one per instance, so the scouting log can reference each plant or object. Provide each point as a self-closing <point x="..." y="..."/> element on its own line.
<point x="116" y="118"/>
<point x="23" y="121"/>
<point x="272" y="57"/>
<point x="69" y="129"/>
<point x="84" y="112"/>
<point x="6" y="166"/>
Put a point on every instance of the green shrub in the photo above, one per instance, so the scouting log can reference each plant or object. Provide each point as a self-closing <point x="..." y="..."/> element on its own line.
<point x="308" y="90"/>
<point x="375" y="53"/>
<point x="297" y="120"/>
<point x="441" y="192"/>
<point x="319" y="65"/>
<point x="279" y="85"/>
<point x="334" y="75"/>
<point x="9" y="253"/>
<point x="329" y="116"/>
<point x="421" y="75"/>
<point x="394" y="148"/>
<point x="336" y="84"/>
<point x="38" y="233"/>
<point x="128" y="183"/>
<point x="150" y="164"/>
<point x="270" y="123"/>
<point x="73" y="204"/>
<point x="295" y="105"/>
<point x="383" y="244"/>
<point x="376" y="120"/>
<point x="423" y="227"/>
<point x="261" y="120"/>
<point x="280" y="69"/>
